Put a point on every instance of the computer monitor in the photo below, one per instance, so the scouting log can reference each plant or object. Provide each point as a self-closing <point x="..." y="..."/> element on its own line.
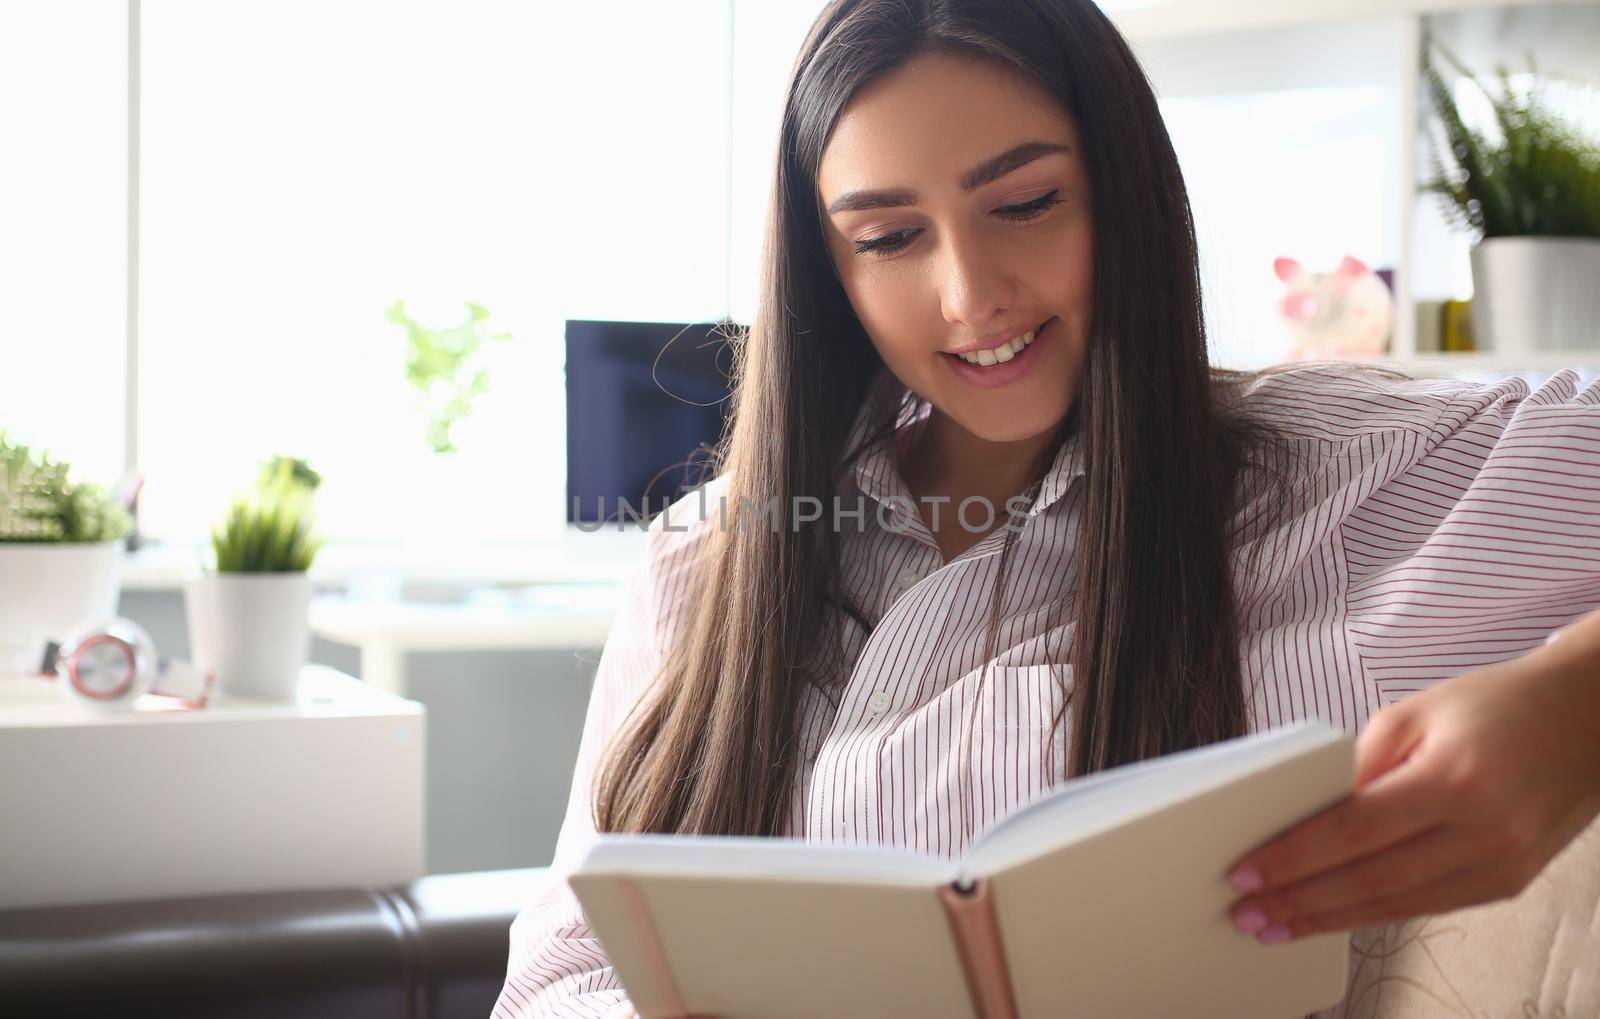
<point x="646" y="402"/>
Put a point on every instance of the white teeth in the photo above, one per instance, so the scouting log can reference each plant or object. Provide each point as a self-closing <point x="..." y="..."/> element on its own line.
<point x="1002" y="353"/>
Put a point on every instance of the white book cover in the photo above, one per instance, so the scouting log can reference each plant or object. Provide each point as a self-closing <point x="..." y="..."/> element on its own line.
<point x="1105" y="897"/>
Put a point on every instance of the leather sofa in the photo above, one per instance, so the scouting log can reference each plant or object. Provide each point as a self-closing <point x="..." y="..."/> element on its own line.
<point x="432" y="949"/>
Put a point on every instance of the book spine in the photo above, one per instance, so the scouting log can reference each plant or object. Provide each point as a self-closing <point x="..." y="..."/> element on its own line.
<point x="655" y="959"/>
<point x="983" y="957"/>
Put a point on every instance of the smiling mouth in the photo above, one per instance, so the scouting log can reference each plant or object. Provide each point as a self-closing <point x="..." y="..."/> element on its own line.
<point x="1004" y="352"/>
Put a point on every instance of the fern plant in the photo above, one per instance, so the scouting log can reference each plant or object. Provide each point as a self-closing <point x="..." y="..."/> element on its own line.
<point x="1535" y="175"/>
<point x="268" y="529"/>
<point x="39" y="502"/>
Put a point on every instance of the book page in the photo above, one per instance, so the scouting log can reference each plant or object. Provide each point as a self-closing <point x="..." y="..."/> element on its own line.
<point x="1088" y="804"/>
<point x="749" y="856"/>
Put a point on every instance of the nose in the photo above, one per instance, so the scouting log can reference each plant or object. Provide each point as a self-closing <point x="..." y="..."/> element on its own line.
<point x="1300" y="306"/>
<point x="976" y="288"/>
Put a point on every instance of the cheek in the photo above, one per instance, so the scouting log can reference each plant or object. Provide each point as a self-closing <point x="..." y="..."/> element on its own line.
<point x="1078" y="299"/>
<point x="883" y="306"/>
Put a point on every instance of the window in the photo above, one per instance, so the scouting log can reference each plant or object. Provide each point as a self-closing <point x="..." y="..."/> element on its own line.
<point x="63" y="210"/>
<point x="306" y="165"/>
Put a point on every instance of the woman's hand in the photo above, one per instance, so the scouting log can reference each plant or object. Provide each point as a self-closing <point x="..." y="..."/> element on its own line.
<point x="1464" y="792"/>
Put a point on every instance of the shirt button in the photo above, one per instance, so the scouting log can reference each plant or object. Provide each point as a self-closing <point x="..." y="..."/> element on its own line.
<point x="878" y="701"/>
<point x="906" y="579"/>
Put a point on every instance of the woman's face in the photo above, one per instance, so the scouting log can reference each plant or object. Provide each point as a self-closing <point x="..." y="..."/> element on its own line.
<point x="966" y="254"/>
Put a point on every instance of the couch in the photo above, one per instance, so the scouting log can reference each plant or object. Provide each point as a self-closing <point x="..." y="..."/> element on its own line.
<point x="432" y="949"/>
<point x="1534" y="956"/>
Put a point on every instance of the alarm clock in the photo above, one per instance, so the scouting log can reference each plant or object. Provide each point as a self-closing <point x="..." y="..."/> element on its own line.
<point x="112" y="663"/>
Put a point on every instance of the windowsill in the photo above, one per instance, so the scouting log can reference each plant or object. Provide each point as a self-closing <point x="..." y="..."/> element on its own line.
<point x="603" y="556"/>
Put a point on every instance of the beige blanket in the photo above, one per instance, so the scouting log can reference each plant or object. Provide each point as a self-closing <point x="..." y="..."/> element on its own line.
<point x="1536" y="956"/>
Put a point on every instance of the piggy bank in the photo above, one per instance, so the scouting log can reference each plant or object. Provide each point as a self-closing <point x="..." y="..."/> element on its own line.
<point x="1345" y="313"/>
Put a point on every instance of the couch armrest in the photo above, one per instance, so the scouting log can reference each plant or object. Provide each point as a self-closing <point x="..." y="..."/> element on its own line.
<point x="433" y="948"/>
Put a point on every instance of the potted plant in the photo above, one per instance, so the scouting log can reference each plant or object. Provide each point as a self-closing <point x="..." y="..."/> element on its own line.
<point x="249" y="617"/>
<point x="1530" y="192"/>
<point x="61" y="548"/>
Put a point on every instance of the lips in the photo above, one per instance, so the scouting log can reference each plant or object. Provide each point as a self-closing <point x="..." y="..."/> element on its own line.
<point x="1003" y="373"/>
<point x="996" y="347"/>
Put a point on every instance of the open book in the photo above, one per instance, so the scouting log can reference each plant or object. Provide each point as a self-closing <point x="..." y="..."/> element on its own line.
<point x="1105" y="898"/>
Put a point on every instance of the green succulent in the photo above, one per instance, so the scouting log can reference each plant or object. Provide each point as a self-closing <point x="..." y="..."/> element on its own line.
<point x="1539" y="175"/>
<point x="268" y="529"/>
<point x="39" y="502"/>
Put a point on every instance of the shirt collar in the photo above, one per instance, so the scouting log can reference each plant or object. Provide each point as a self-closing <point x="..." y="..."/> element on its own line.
<point x="877" y="474"/>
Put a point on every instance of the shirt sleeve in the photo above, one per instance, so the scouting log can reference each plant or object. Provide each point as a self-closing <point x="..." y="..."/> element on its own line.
<point x="556" y="966"/>
<point x="1484" y="544"/>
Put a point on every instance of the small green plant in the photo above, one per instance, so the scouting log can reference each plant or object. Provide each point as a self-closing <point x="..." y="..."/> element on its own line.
<point x="445" y="367"/>
<point x="300" y="472"/>
<point x="268" y="528"/>
<point x="1535" y="174"/>
<point x="39" y="502"/>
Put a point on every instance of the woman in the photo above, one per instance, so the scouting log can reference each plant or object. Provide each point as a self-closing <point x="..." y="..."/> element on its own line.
<point x="1178" y="556"/>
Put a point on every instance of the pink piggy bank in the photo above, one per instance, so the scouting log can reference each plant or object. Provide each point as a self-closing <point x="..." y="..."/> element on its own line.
<point x="1344" y="313"/>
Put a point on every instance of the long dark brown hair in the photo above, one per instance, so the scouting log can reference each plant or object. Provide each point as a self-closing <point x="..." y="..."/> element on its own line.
<point x="1155" y="655"/>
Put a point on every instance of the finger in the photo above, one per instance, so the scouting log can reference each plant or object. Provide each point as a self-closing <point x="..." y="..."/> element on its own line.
<point x="1393" y="808"/>
<point x="1416" y="862"/>
<point x="1388" y="739"/>
<point x="1447" y="894"/>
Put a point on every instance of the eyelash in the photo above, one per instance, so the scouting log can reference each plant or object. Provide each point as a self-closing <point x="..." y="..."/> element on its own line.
<point x="886" y="244"/>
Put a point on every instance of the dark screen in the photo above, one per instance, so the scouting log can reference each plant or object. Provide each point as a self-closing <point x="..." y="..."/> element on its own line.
<point x="646" y="401"/>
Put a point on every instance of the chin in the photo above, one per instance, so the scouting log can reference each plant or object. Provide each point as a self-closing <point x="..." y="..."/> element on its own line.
<point x="1011" y="424"/>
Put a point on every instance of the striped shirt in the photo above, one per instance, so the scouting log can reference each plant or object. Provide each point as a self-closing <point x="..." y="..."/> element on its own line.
<point x="1440" y="526"/>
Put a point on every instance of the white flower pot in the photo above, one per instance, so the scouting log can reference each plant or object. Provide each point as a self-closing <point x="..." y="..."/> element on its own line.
<point x="50" y="588"/>
<point x="252" y="629"/>
<point x="1536" y="293"/>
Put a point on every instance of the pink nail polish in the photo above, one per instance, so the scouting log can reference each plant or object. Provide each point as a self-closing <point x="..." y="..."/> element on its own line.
<point x="1245" y="879"/>
<point x="1248" y="921"/>
<point x="1274" y="934"/>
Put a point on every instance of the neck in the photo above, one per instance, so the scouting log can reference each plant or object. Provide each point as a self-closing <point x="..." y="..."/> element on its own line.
<point x="938" y="457"/>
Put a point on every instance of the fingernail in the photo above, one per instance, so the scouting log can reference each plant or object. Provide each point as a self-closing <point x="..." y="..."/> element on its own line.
<point x="1274" y="934"/>
<point x="1245" y="879"/>
<point x="1248" y="921"/>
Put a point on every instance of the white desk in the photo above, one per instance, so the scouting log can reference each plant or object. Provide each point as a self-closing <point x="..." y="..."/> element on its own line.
<point x="571" y="557"/>
<point x="237" y="797"/>
<point x="544" y="616"/>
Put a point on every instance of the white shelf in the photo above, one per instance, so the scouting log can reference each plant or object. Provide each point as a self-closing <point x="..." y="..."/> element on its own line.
<point x="236" y="797"/>
<point x="1177" y="18"/>
<point x="1220" y="57"/>
<point x="323" y="692"/>
<point x="1584" y="363"/>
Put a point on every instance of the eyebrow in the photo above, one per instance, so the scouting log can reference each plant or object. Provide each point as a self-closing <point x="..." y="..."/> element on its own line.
<point x="985" y="172"/>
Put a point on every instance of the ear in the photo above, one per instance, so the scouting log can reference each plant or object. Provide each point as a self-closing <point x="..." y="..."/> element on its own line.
<point x="1352" y="266"/>
<point x="1286" y="268"/>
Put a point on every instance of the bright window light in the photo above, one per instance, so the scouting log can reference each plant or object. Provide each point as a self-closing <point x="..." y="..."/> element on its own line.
<point x="1295" y="172"/>
<point x="307" y="165"/>
<point x="63" y="209"/>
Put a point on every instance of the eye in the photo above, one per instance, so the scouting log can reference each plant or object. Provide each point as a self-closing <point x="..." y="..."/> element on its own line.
<point x="890" y="243"/>
<point x="1033" y="209"/>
